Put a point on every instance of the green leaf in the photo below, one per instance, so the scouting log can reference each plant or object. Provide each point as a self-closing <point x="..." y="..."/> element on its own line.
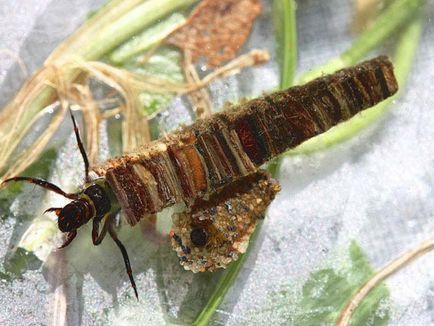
<point x="163" y="64"/>
<point x="285" y="30"/>
<point x="142" y="42"/>
<point x="17" y="262"/>
<point x="328" y="290"/>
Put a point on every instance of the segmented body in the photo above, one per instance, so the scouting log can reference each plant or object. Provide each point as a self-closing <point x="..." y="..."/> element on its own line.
<point x="209" y="155"/>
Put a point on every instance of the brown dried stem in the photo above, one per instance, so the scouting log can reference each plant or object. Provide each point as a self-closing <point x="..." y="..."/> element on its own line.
<point x="92" y="117"/>
<point x="81" y="95"/>
<point x="29" y="155"/>
<point x="17" y="59"/>
<point x="200" y="98"/>
<point x="253" y="58"/>
<point x="391" y="268"/>
<point x="16" y="111"/>
<point x="365" y="12"/>
<point x="111" y="113"/>
<point x="135" y="128"/>
<point x="145" y="57"/>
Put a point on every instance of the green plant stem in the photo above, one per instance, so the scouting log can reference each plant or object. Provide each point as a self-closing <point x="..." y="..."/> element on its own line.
<point x="83" y="36"/>
<point x="149" y="37"/>
<point x="106" y="30"/>
<point x="286" y="34"/>
<point x="386" y="24"/>
<point x="287" y="23"/>
<point x="403" y="59"/>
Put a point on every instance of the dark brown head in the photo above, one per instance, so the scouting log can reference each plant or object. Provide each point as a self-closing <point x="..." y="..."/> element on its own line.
<point x="92" y="202"/>
<point x="74" y="215"/>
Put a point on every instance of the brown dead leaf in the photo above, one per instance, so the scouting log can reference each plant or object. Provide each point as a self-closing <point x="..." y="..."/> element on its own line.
<point x="365" y="12"/>
<point x="216" y="29"/>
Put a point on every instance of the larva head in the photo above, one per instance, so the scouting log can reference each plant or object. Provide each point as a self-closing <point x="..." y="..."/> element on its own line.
<point x="92" y="201"/>
<point x="73" y="215"/>
<point x="88" y="203"/>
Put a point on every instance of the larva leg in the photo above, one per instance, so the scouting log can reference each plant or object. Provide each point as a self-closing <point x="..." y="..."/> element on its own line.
<point x="69" y="237"/>
<point x="114" y="236"/>
<point x="97" y="238"/>
<point x="212" y="233"/>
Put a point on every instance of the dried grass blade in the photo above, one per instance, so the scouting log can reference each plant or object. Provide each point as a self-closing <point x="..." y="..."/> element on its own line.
<point x="200" y="98"/>
<point x="135" y="128"/>
<point x="31" y="153"/>
<point x="253" y="58"/>
<point x="15" y="119"/>
<point x="391" y="268"/>
<point x="18" y="60"/>
<point x="92" y="118"/>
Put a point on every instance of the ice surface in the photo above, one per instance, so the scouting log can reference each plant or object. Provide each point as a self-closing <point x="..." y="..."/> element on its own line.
<point x="376" y="189"/>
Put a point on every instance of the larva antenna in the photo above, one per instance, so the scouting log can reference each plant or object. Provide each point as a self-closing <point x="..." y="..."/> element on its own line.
<point x="48" y="185"/>
<point x="81" y="147"/>
<point x="41" y="183"/>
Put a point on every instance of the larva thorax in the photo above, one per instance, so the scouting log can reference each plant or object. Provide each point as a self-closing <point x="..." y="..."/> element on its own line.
<point x="209" y="155"/>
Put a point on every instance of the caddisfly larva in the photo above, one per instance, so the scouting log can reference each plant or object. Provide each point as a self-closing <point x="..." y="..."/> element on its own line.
<point x="213" y="167"/>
